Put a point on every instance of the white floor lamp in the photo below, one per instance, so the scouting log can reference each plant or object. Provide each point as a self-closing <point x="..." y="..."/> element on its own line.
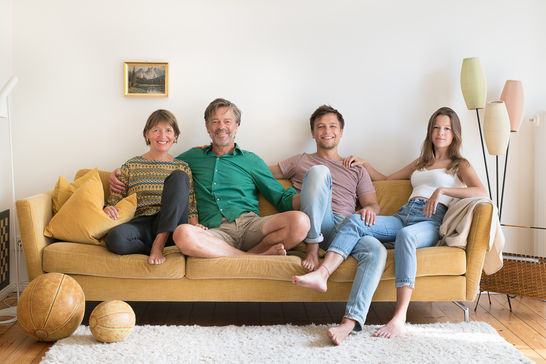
<point x="5" y="113"/>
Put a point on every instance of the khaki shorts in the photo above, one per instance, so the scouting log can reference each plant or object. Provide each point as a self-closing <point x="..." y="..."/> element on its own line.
<point x="243" y="233"/>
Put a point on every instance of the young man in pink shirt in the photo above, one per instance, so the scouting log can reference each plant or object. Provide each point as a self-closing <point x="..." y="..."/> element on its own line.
<point x="329" y="191"/>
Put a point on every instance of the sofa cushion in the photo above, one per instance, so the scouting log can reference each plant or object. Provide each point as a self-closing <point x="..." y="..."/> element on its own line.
<point x="104" y="177"/>
<point x="82" y="219"/>
<point x="277" y="268"/>
<point x="94" y="260"/>
<point x="435" y="261"/>
<point x="63" y="190"/>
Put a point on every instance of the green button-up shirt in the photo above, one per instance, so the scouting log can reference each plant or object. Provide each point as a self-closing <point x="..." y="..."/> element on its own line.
<point x="227" y="185"/>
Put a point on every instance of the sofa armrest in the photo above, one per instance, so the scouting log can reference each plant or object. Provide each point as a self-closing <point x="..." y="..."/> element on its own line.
<point x="476" y="247"/>
<point x="33" y="214"/>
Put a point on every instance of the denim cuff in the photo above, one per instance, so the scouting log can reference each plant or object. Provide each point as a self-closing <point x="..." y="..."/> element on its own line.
<point x="406" y="283"/>
<point x="358" y="324"/>
<point x="318" y="239"/>
<point x="340" y="252"/>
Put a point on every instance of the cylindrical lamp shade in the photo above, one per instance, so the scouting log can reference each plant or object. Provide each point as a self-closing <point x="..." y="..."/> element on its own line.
<point x="512" y="95"/>
<point x="496" y="127"/>
<point x="473" y="83"/>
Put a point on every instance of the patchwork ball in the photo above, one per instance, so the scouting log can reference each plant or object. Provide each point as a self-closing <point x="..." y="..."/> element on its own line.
<point x="112" y="321"/>
<point x="51" y="307"/>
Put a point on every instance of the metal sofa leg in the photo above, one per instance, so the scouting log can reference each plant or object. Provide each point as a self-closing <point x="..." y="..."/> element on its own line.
<point x="465" y="309"/>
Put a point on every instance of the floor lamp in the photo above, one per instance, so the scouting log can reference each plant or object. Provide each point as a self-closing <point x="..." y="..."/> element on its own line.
<point x="474" y="91"/>
<point x="5" y="114"/>
<point x="512" y="95"/>
<point x="497" y="135"/>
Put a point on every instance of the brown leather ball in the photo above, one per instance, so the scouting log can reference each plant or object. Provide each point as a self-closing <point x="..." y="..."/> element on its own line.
<point x="112" y="321"/>
<point x="51" y="307"/>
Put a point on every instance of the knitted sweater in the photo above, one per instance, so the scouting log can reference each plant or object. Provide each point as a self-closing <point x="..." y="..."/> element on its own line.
<point x="146" y="178"/>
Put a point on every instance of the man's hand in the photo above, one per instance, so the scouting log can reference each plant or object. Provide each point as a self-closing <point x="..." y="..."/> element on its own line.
<point x="116" y="186"/>
<point x="368" y="215"/>
<point x="112" y="212"/>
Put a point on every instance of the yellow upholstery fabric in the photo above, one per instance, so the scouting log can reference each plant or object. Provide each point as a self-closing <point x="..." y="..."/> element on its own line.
<point x="445" y="261"/>
<point x="99" y="261"/>
<point x="81" y="218"/>
<point x="392" y="195"/>
<point x="63" y="190"/>
<point x="104" y="177"/>
<point x="105" y="276"/>
<point x="434" y="261"/>
<point x="245" y="267"/>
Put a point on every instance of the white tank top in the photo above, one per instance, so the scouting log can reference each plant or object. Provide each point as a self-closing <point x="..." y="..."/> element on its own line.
<point x="426" y="181"/>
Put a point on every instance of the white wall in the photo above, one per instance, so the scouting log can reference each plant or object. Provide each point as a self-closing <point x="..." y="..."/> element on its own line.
<point x="6" y="70"/>
<point x="385" y="65"/>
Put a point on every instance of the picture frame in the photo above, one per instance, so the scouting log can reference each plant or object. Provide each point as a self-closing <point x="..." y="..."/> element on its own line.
<point x="146" y="79"/>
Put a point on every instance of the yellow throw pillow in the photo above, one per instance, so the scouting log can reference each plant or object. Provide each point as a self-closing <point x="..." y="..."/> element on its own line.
<point x="81" y="219"/>
<point x="63" y="190"/>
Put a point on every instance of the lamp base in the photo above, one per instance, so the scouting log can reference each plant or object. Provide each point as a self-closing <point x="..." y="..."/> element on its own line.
<point x="10" y="311"/>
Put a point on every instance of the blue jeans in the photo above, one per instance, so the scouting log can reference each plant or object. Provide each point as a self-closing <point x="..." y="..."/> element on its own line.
<point x="316" y="202"/>
<point x="408" y="228"/>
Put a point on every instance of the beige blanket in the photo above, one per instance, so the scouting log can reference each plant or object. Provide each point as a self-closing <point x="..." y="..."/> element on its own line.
<point x="456" y="225"/>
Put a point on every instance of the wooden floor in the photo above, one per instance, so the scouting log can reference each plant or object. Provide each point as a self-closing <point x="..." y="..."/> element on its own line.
<point x="525" y="327"/>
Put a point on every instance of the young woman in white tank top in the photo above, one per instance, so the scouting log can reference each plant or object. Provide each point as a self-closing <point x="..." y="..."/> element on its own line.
<point x="437" y="176"/>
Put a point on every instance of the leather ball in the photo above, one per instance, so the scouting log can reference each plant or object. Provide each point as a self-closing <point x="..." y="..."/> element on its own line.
<point x="112" y="321"/>
<point x="51" y="307"/>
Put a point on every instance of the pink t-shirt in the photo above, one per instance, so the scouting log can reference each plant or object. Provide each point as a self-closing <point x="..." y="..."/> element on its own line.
<point x="347" y="183"/>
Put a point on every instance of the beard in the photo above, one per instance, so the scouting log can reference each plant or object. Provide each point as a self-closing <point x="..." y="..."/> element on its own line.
<point x="229" y="139"/>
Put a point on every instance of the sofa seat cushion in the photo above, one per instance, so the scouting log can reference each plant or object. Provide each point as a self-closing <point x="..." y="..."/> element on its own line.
<point x="435" y="261"/>
<point x="94" y="260"/>
<point x="277" y="268"/>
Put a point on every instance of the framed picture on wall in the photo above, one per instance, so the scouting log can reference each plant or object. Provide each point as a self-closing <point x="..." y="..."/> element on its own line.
<point x="146" y="79"/>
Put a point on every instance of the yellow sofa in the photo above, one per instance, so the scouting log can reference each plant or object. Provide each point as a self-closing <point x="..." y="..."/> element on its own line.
<point x="443" y="273"/>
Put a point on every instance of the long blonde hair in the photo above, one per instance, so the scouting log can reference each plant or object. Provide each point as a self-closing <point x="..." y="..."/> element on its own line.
<point x="428" y="154"/>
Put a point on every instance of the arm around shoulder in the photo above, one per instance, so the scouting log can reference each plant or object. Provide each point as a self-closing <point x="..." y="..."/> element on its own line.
<point x="404" y="173"/>
<point x="276" y="171"/>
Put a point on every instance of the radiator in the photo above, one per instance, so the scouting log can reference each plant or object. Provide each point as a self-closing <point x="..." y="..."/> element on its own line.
<point x="539" y="238"/>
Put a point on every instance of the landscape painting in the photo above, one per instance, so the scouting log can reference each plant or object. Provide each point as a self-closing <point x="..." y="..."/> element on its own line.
<point x="146" y="79"/>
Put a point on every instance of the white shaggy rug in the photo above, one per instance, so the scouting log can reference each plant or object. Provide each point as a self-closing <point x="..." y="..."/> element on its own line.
<point x="475" y="342"/>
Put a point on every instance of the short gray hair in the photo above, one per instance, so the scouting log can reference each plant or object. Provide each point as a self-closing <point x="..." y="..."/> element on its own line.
<point x="214" y="105"/>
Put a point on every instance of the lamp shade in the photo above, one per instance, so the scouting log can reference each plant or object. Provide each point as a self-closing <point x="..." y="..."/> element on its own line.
<point x="496" y="127"/>
<point x="512" y="95"/>
<point x="473" y="83"/>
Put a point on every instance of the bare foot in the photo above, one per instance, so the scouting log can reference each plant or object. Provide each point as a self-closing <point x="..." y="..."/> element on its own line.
<point x="340" y="332"/>
<point x="315" y="280"/>
<point x="156" y="256"/>
<point x="311" y="261"/>
<point x="277" y="249"/>
<point x="395" y="327"/>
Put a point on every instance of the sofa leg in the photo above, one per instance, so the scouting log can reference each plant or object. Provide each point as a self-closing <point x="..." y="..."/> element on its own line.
<point x="465" y="309"/>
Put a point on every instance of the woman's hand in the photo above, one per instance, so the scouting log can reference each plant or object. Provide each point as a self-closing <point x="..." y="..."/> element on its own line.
<point x="352" y="161"/>
<point x="432" y="203"/>
<point x="112" y="212"/>
<point x="116" y="186"/>
<point x="195" y="222"/>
